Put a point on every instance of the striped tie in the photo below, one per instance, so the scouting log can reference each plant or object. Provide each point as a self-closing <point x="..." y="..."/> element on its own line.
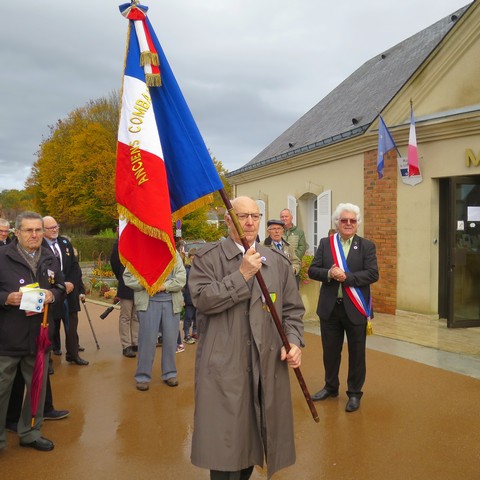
<point x="55" y="249"/>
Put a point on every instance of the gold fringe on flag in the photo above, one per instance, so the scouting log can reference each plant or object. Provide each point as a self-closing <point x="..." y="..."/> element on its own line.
<point x="149" y="58"/>
<point x="151" y="289"/>
<point x="155" y="233"/>
<point x="143" y="227"/>
<point x="190" y="207"/>
<point x="369" y="327"/>
<point x="153" y="80"/>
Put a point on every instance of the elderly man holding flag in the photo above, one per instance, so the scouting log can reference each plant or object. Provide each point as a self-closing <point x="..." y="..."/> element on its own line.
<point x="243" y="409"/>
<point x="165" y="171"/>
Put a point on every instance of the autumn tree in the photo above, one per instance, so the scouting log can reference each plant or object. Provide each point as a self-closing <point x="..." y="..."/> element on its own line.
<point x="74" y="176"/>
<point x="12" y="202"/>
<point x="195" y="225"/>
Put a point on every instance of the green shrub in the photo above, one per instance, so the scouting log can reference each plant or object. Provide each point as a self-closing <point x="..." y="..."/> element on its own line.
<point x="107" y="233"/>
<point x="306" y="261"/>
<point x="93" y="248"/>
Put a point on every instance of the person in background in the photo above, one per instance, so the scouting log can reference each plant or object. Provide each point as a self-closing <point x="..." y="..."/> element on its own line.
<point x="160" y="311"/>
<point x="293" y="235"/>
<point x="274" y="240"/>
<point x="189" y="320"/>
<point x="346" y="264"/>
<point x="72" y="274"/>
<point x="4" y="232"/>
<point x="128" y="320"/>
<point x="243" y="409"/>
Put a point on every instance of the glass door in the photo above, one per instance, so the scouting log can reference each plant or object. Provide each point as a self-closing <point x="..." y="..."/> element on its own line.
<point x="464" y="256"/>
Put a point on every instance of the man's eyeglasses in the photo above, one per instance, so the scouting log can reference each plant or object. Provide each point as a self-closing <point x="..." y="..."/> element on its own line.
<point x="5" y="232"/>
<point x="55" y="227"/>
<point x="352" y="221"/>
<point x="31" y="231"/>
<point x="280" y="229"/>
<point x="254" y="216"/>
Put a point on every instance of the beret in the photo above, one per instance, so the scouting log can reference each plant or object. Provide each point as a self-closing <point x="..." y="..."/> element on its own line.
<point x="275" y="222"/>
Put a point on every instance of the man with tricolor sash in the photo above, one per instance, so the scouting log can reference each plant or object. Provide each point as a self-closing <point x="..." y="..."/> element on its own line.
<point x="346" y="264"/>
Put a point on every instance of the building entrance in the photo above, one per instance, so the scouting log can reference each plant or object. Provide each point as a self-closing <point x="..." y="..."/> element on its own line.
<point x="460" y="251"/>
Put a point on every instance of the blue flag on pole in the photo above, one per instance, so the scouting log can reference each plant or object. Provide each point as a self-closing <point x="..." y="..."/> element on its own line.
<point x="385" y="144"/>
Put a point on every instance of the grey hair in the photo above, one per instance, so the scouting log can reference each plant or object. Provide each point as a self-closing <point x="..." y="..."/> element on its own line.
<point x="26" y="216"/>
<point x="346" y="207"/>
<point x="4" y="222"/>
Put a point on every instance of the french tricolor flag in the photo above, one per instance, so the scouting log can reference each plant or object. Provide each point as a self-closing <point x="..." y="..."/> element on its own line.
<point x="146" y="243"/>
<point x="413" y="168"/>
<point x="164" y="170"/>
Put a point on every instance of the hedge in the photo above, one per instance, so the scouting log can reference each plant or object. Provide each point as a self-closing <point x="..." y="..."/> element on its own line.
<point x="92" y="248"/>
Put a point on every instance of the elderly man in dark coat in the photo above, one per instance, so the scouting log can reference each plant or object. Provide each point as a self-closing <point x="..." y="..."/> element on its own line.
<point x="72" y="274"/>
<point x="25" y="263"/>
<point x="346" y="264"/>
<point x="243" y="409"/>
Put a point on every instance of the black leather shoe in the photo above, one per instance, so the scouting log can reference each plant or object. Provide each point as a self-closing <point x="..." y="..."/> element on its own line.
<point x="81" y="349"/>
<point x="77" y="360"/>
<point x="171" y="382"/>
<point x="42" y="444"/>
<point x="57" y="352"/>
<point x="353" y="404"/>
<point x="128" y="352"/>
<point x="323" y="394"/>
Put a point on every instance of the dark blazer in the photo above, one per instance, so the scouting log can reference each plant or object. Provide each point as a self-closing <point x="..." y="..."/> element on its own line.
<point x="71" y="272"/>
<point x="118" y="268"/>
<point x="7" y="241"/>
<point x="19" y="331"/>
<point x="362" y="263"/>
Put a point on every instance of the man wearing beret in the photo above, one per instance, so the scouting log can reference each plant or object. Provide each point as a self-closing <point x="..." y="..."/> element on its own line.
<point x="275" y="229"/>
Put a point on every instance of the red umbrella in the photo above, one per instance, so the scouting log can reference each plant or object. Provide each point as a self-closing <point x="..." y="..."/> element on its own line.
<point x="37" y="378"/>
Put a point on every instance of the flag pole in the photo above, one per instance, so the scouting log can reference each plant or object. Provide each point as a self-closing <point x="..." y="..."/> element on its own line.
<point x="269" y="303"/>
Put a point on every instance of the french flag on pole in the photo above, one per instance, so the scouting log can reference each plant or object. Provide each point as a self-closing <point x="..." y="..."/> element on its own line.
<point x="413" y="167"/>
<point x="164" y="170"/>
<point x="385" y="144"/>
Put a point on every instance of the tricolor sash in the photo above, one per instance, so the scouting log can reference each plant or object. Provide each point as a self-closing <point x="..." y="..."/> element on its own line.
<point x="354" y="293"/>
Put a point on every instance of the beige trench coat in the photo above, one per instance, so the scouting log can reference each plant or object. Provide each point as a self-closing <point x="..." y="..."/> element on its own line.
<point x="238" y="352"/>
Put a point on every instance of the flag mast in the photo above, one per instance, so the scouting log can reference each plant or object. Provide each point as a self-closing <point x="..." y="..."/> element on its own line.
<point x="159" y="133"/>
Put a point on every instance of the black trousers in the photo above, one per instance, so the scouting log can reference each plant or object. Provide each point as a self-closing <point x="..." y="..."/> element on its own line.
<point x="244" y="474"/>
<point x="333" y="331"/>
<point x="71" y="335"/>
<point x="16" y="398"/>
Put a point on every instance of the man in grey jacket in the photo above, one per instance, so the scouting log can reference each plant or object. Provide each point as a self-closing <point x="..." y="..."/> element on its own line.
<point x="243" y="409"/>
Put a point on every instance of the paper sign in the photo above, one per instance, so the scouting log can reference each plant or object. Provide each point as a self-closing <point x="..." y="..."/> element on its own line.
<point x="33" y="299"/>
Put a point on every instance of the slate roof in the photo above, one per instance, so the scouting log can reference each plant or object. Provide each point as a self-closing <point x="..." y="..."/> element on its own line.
<point x="362" y="96"/>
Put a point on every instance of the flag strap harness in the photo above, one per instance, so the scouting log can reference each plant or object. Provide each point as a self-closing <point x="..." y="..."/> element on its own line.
<point x="354" y="293"/>
<point x="148" y="54"/>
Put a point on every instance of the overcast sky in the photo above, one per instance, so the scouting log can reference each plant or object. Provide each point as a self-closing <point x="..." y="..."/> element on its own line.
<point x="248" y="69"/>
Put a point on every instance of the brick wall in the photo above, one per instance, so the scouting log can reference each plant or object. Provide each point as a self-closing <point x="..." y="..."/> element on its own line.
<point x="380" y="226"/>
